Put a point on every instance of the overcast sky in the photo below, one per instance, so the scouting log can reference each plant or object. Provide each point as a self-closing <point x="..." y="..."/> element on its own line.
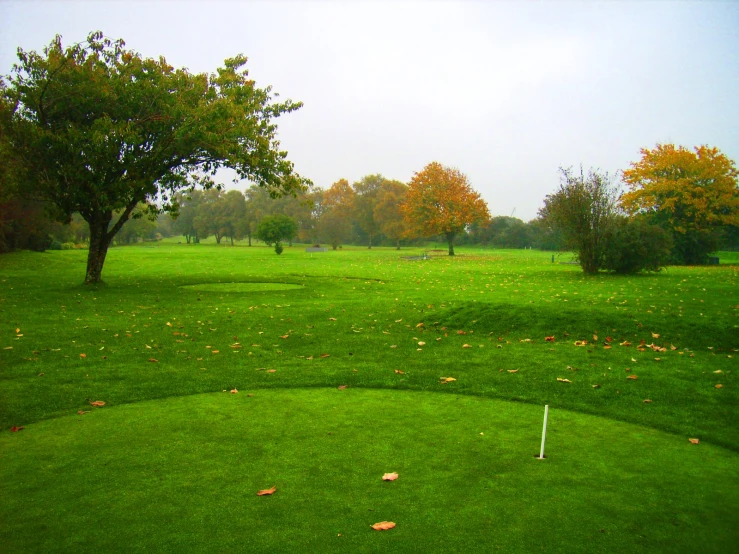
<point x="505" y="91"/>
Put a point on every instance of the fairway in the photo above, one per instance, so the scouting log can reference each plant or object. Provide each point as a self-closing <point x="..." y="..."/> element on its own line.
<point x="173" y="460"/>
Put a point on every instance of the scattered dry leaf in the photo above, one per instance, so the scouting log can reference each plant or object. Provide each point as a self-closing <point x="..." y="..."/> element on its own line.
<point x="83" y="412"/>
<point x="83" y="355"/>
<point x="466" y="346"/>
<point x="97" y="403"/>
<point x="581" y="342"/>
<point x="266" y="492"/>
<point x="325" y="355"/>
<point x="390" y="476"/>
<point x="154" y="360"/>
<point x="632" y="377"/>
<point x="284" y="336"/>
<point x="399" y="372"/>
<point x="595" y="337"/>
<point x="595" y="386"/>
<point x="332" y="319"/>
<point x="563" y="380"/>
<point x="215" y="351"/>
<point x="655" y="335"/>
<point x="694" y="441"/>
<point x="271" y="371"/>
<point x="15" y="429"/>
<point x="512" y="371"/>
<point x="383" y="526"/>
<point x="342" y="387"/>
<point x="647" y="401"/>
<point x="549" y="339"/>
<point x="421" y="343"/>
<point x="445" y="380"/>
<point x="719" y="386"/>
<point x="234" y="391"/>
<point x="419" y="325"/>
<point x="625" y="343"/>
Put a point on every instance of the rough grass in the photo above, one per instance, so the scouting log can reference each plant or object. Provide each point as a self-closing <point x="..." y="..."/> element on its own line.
<point x="179" y="305"/>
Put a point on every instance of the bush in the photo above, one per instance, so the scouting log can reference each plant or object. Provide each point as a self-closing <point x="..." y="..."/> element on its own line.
<point x="68" y="246"/>
<point x="55" y="245"/>
<point x="633" y="245"/>
<point x="278" y="248"/>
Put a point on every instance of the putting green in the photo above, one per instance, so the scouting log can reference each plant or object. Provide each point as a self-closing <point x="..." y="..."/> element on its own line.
<point x="242" y="287"/>
<point x="181" y="474"/>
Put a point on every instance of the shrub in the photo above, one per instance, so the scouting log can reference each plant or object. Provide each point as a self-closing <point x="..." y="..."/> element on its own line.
<point x="633" y="245"/>
<point x="55" y="245"/>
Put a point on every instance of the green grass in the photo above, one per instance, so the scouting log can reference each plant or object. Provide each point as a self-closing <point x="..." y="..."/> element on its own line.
<point x="626" y="460"/>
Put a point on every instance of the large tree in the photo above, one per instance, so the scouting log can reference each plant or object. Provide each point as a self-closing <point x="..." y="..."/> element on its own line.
<point x="98" y="129"/>
<point x="387" y="211"/>
<point x="273" y="229"/>
<point x="692" y="194"/>
<point x="583" y="209"/>
<point x="441" y="201"/>
<point x="337" y="209"/>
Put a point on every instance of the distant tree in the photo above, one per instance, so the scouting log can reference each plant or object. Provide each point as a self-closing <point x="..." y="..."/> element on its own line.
<point x="335" y="223"/>
<point x="274" y="229"/>
<point x="98" y="129"/>
<point x="387" y="211"/>
<point x="187" y="205"/>
<point x="206" y="222"/>
<point x="633" y="246"/>
<point x="230" y="211"/>
<point x="545" y="236"/>
<point x="583" y="209"/>
<point x="141" y="225"/>
<point x="440" y="200"/>
<point x="692" y="194"/>
<point x="366" y="192"/>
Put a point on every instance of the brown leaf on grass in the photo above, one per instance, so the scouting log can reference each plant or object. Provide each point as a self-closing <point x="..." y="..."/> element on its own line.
<point x="581" y="342"/>
<point x="673" y="347"/>
<point x="332" y="319"/>
<point x="421" y="343"/>
<point x="595" y="386"/>
<point x="625" y="343"/>
<point x="719" y="386"/>
<point x="83" y="355"/>
<point x="284" y="336"/>
<point x="647" y="401"/>
<point x="169" y="324"/>
<point x="271" y="371"/>
<point x="399" y="372"/>
<point x="83" y="412"/>
<point x="549" y="339"/>
<point x="8" y="348"/>
<point x="466" y="346"/>
<point x="390" y="476"/>
<point x="595" y="337"/>
<point x="17" y="330"/>
<point x="563" y="380"/>
<point x="609" y="339"/>
<point x="266" y="492"/>
<point x="154" y="360"/>
<point x="419" y="325"/>
<point x="15" y="429"/>
<point x="97" y="403"/>
<point x="215" y="351"/>
<point x="607" y="347"/>
<point x="445" y="380"/>
<point x="634" y="377"/>
<point x="461" y="332"/>
<point x="655" y="335"/>
<point x="342" y="387"/>
<point x="512" y="371"/>
<point x="383" y="526"/>
<point x="694" y="441"/>
<point x="325" y="355"/>
<point x="236" y="345"/>
<point x="234" y="391"/>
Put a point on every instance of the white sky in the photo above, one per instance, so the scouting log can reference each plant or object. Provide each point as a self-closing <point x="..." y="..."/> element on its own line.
<point x="505" y="91"/>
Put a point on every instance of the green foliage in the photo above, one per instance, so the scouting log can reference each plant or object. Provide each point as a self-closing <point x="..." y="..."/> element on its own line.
<point x="99" y="129"/>
<point x="274" y="229"/>
<point x="583" y="209"/>
<point x="633" y="245"/>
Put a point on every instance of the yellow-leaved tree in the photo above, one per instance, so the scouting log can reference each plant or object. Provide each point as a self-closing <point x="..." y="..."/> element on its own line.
<point x="441" y="201"/>
<point x="690" y="193"/>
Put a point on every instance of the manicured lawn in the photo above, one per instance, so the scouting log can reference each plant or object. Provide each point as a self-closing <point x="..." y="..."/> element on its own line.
<point x="163" y="465"/>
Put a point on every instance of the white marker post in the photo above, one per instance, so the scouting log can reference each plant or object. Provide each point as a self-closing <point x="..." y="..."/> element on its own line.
<point x="544" y="432"/>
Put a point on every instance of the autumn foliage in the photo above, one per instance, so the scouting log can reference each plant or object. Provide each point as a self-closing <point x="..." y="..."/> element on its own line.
<point x="440" y="200"/>
<point x="690" y="193"/>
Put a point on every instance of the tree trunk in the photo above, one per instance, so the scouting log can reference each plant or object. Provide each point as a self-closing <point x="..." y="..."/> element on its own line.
<point x="99" y="242"/>
<point x="397" y="245"/>
<point x="450" y="240"/>
<point x="249" y="235"/>
<point x="232" y="240"/>
<point x="218" y="238"/>
<point x="187" y="238"/>
<point x="370" y="242"/>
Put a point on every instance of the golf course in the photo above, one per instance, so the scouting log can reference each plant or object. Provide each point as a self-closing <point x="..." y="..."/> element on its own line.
<point x="146" y="412"/>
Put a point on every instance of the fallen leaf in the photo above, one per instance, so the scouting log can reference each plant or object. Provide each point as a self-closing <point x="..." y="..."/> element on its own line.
<point x="609" y="339"/>
<point x="563" y="380"/>
<point x="8" y="348"/>
<point x="595" y="386"/>
<point x="694" y="441"/>
<point x="512" y="371"/>
<point x="461" y="332"/>
<point x="83" y="355"/>
<point x="284" y="336"/>
<point x="647" y="401"/>
<point x="466" y="346"/>
<point x="271" y="371"/>
<point x="234" y="391"/>
<point x="581" y="342"/>
<point x="633" y="360"/>
<point x="719" y="386"/>
<point x="393" y="346"/>
<point x="419" y="325"/>
<point x="342" y="387"/>
<point x="595" y="337"/>
<point x="390" y="477"/>
<point x="169" y="324"/>
<point x="215" y="351"/>
<point x="655" y="335"/>
<point x="421" y="343"/>
<point x="83" y="412"/>
<point x="549" y="339"/>
<point x="445" y="380"/>
<point x="266" y="492"/>
<point x="97" y="403"/>
<point x="154" y="360"/>
<point x="673" y="347"/>
<point x="634" y="377"/>
<point x="400" y="372"/>
<point x="332" y="319"/>
<point x="625" y="343"/>
<point x="325" y="355"/>
<point x="718" y="371"/>
<point x="383" y="526"/>
<point x="15" y="429"/>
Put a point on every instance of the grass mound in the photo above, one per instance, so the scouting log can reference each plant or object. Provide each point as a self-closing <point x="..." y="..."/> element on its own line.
<point x="182" y="474"/>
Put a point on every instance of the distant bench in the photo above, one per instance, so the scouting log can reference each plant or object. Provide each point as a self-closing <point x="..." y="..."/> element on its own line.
<point x="316" y="249"/>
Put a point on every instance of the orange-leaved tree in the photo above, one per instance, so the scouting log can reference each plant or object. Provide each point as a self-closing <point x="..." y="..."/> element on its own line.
<point x="387" y="211"/>
<point x="691" y="193"/>
<point x="440" y="200"/>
